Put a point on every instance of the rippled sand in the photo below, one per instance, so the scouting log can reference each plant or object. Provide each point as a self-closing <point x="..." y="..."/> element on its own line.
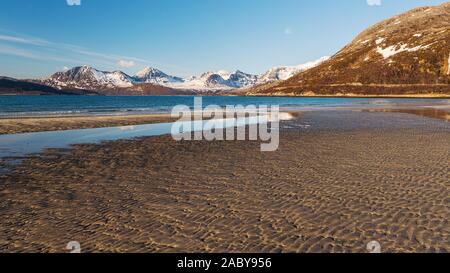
<point x="338" y="181"/>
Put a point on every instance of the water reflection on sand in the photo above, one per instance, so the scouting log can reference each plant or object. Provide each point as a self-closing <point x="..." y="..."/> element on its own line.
<point x="424" y="112"/>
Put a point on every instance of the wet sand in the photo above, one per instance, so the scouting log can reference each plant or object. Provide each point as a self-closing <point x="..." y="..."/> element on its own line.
<point x="57" y="123"/>
<point x="338" y="181"/>
<point x="424" y="112"/>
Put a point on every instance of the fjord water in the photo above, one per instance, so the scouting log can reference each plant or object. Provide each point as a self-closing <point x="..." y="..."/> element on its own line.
<point x="70" y="105"/>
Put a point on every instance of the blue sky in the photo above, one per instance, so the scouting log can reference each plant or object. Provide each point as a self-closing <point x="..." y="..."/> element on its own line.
<point x="180" y="37"/>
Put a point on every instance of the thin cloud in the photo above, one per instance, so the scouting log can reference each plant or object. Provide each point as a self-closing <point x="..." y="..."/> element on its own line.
<point x="24" y="40"/>
<point x="82" y="55"/>
<point x="31" y="54"/>
<point x="8" y="50"/>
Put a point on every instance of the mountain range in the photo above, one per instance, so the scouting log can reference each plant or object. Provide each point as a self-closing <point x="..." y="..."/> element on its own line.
<point x="408" y="54"/>
<point x="89" y="78"/>
<point x="149" y="81"/>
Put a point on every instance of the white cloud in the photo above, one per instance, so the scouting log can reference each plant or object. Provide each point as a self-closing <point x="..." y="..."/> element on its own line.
<point x="374" y="2"/>
<point x="74" y="2"/>
<point x="125" y="63"/>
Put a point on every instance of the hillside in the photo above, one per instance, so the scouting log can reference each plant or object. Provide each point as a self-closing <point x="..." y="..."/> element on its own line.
<point x="408" y="54"/>
<point x="10" y="86"/>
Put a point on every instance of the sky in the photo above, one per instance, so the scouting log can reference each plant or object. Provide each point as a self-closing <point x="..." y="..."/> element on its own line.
<point x="180" y="37"/>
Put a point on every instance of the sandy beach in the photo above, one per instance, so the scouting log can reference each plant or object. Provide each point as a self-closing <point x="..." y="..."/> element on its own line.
<point x="338" y="181"/>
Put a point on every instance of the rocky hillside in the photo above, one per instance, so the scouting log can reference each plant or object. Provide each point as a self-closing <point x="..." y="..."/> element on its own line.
<point x="408" y="54"/>
<point x="10" y="86"/>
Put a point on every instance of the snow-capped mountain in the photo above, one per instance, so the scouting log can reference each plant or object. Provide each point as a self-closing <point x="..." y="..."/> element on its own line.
<point x="153" y="75"/>
<point x="209" y="81"/>
<point x="217" y="81"/>
<point x="285" y="72"/>
<point x="240" y="79"/>
<point x="86" y="77"/>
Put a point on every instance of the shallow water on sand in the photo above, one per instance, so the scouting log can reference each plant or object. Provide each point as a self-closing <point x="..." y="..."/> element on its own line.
<point x="19" y="145"/>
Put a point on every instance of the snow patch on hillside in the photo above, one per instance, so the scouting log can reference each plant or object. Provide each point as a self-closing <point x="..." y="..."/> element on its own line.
<point x="379" y="41"/>
<point x="286" y="72"/>
<point x="396" y="49"/>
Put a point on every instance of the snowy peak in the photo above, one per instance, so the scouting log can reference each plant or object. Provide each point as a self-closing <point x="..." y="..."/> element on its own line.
<point x="148" y="71"/>
<point x="224" y="74"/>
<point x="153" y="75"/>
<point x="86" y="77"/>
<point x="214" y="80"/>
<point x="285" y="72"/>
<point x="218" y="81"/>
<point x="240" y="79"/>
<point x="118" y="77"/>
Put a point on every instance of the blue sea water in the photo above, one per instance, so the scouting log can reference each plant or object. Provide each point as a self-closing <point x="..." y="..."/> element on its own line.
<point x="61" y="105"/>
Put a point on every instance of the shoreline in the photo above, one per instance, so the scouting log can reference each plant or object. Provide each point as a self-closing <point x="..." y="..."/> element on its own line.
<point x="60" y="123"/>
<point x="46" y="123"/>
<point x="36" y="124"/>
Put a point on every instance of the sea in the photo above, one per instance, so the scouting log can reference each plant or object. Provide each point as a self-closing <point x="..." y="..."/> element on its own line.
<point x="17" y="106"/>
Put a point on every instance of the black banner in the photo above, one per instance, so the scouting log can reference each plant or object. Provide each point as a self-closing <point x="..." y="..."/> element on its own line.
<point x="221" y="262"/>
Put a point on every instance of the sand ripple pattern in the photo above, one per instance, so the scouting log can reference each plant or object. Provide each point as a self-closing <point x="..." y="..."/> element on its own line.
<point x="323" y="191"/>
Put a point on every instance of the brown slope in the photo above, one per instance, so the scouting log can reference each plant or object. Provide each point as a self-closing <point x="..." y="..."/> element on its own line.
<point x="10" y="86"/>
<point x="421" y="40"/>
